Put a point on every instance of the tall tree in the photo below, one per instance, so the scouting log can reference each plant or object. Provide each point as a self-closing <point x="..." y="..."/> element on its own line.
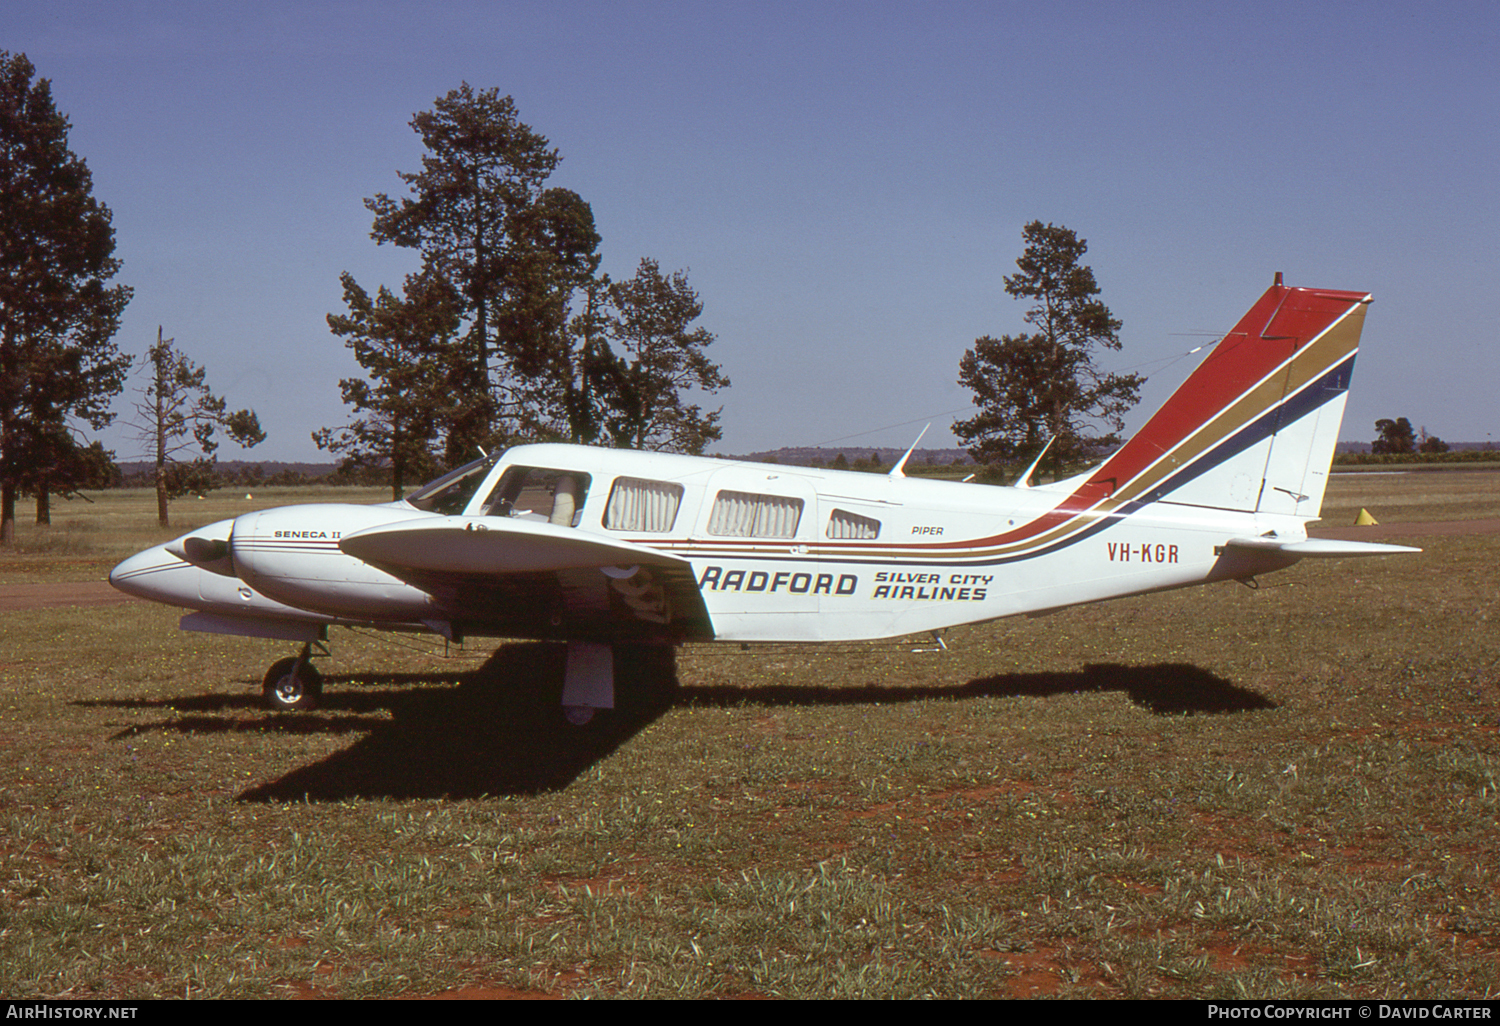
<point x="619" y="375"/>
<point x="179" y="416"/>
<point x="542" y="344"/>
<point x="58" y="464"/>
<point x="1044" y="384"/>
<point x="58" y="313"/>
<point x="514" y="250"/>
<point x="661" y="358"/>
<point x="557" y="361"/>
<point x="409" y="347"/>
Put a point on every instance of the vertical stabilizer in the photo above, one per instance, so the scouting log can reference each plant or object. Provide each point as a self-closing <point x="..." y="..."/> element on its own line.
<point x="1254" y="427"/>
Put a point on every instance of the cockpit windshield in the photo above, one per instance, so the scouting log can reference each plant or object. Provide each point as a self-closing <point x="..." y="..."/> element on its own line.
<point x="450" y="494"/>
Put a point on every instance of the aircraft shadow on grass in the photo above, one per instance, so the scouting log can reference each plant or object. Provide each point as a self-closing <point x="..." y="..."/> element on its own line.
<point x="500" y="731"/>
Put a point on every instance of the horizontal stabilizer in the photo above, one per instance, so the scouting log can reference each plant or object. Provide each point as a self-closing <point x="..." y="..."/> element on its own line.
<point x="1319" y="548"/>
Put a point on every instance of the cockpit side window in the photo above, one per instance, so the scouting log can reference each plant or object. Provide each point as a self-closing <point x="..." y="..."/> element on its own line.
<point x="450" y="494"/>
<point x="539" y="493"/>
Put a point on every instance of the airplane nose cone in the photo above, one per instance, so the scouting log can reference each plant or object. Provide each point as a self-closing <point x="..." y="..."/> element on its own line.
<point x="157" y="575"/>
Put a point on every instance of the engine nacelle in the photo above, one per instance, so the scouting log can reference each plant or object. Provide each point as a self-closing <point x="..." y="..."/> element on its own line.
<point x="292" y="554"/>
<point x="195" y="572"/>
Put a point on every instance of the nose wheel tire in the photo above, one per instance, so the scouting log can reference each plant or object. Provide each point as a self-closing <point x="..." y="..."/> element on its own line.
<point x="578" y="715"/>
<point x="290" y="688"/>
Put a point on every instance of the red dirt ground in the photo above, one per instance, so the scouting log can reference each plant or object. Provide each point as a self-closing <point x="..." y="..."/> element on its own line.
<point x="64" y="593"/>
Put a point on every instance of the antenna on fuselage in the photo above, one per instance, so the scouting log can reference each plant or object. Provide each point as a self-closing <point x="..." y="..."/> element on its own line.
<point x="896" y="470"/>
<point x="1024" y="481"/>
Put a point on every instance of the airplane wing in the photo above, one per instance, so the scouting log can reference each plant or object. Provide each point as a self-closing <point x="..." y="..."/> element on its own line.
<point x="500" y="577"/>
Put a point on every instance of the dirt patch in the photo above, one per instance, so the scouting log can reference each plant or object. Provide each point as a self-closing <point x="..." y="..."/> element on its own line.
<point x="63" y="593"/>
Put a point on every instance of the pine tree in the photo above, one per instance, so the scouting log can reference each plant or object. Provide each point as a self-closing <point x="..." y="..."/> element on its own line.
<point x="534" y="341"/>
<point x="660" y="359"/>
<point x="409" y="347"/>
<point x="514" y="250"/>
<point x="58" y="312"/>
<point x="1044" y="385"/>
<point x="179" y="416"/>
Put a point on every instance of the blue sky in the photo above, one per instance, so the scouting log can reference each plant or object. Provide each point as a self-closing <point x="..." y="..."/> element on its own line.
<point x="845" y="183"/>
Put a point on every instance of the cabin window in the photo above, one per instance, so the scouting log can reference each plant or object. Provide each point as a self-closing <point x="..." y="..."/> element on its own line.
<point x="539" y="493"/>
<point x="743" y="515"/>
<point x="843" y="525"/>
<point x="645" y="506"/>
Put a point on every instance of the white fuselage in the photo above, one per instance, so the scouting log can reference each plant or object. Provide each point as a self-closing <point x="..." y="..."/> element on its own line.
<point x="778" y="553"/>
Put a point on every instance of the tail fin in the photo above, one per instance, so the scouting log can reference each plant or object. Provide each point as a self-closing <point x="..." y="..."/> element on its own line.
<point x="1254" y="427"/>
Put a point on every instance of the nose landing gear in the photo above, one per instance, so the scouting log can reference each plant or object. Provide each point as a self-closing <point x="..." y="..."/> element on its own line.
<point x="293" y="684"/>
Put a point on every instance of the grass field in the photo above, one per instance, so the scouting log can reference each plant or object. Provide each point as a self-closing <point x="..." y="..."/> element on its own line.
<point x="1283" y="792"/>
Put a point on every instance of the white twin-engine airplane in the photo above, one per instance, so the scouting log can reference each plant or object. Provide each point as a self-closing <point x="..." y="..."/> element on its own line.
<point x="605" y="548"/>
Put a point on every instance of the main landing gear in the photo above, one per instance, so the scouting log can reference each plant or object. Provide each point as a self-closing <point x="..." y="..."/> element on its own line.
<point x="293" y="684"/>
<point x="649" y="671"/>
